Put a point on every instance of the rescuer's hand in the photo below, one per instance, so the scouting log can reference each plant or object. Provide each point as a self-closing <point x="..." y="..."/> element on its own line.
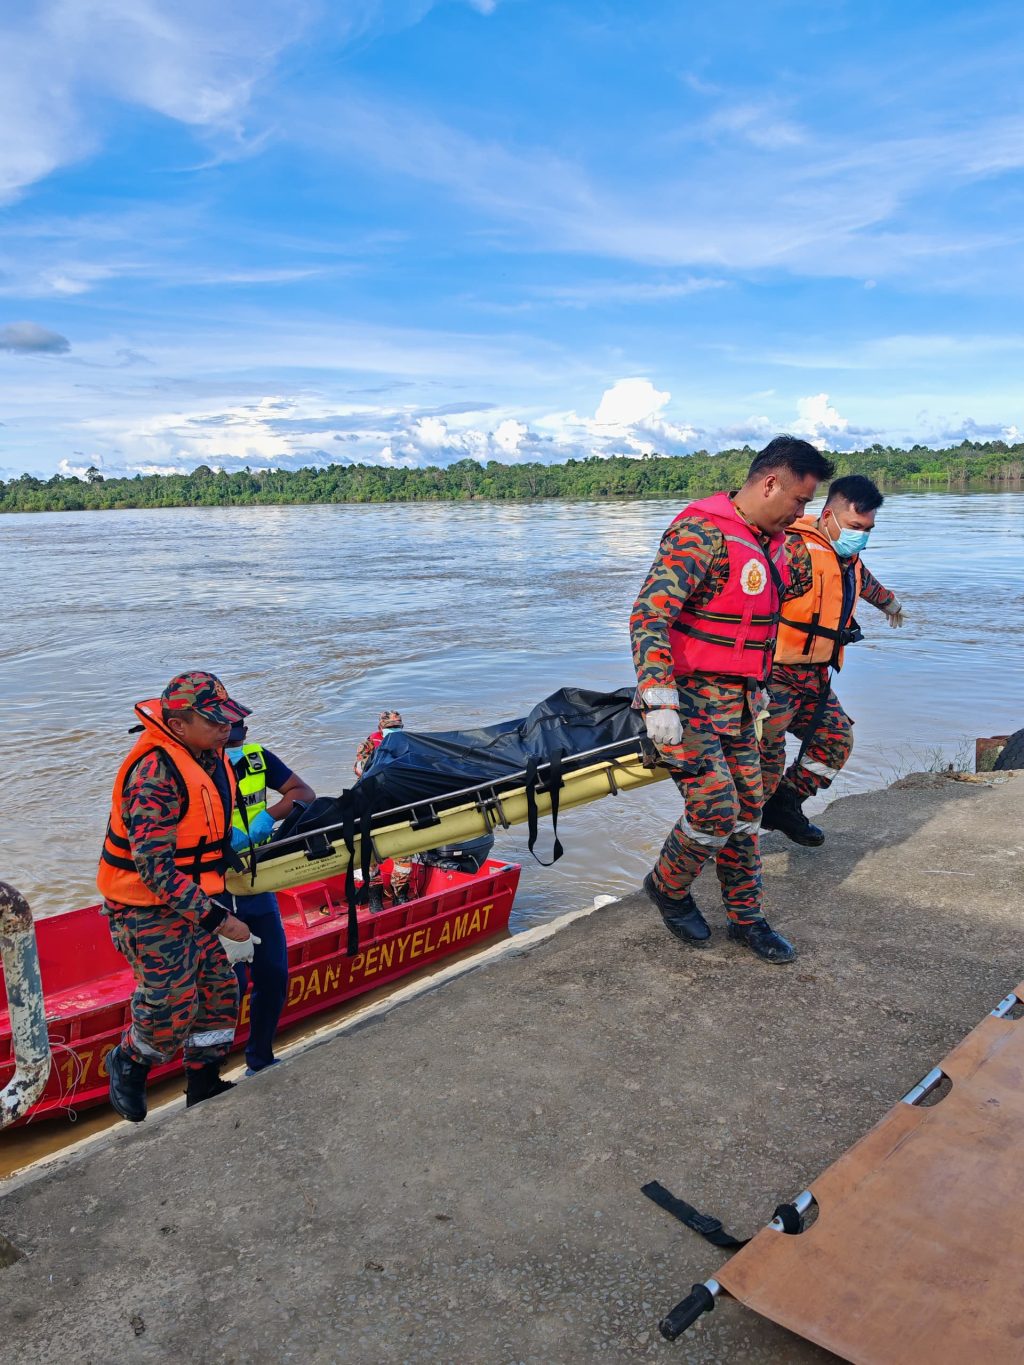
<point x="232" y="927"/>
<point x="664" y="727"/>
<point x="239" y="839"/>
<point x="239" y="951"/>
<point x="895" y="613"/>
<point x="261" y="827"/>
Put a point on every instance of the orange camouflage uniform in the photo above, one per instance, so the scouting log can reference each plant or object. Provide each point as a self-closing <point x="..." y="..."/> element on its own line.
<point x="721" y="789"/>
<point x="796" y="690"/>
<point x="186" y="993"/>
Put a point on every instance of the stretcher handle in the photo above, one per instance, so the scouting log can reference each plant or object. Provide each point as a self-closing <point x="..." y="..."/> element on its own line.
<point x="700" y="1300"/>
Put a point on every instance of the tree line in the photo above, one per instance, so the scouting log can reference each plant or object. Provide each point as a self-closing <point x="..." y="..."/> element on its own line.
<point x="974" y="464"/>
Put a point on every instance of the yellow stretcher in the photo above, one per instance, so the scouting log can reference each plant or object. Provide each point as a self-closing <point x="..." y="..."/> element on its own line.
<point x="449" y="820"/>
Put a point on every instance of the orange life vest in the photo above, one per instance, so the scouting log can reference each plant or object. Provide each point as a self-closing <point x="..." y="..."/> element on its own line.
<point x="814" y="628"/>
<point x="204" y="826"/>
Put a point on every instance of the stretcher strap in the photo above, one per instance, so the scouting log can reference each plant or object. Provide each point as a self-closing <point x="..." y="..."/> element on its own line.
<point x="789" y="1217"/>
<point x="554" y="785"/>
<point x="348" y="831"/>
<point x="709" y="1228"/>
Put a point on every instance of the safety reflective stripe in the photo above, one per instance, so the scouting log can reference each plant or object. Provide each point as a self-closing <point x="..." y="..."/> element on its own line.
<point x="147" y="1050"/>
<point x="251" y="775"/>
<point x="751" y="544"/>
<point x="747" y="826"/>
<point x="213" y="1037"/>
<point x="822" y="769"/>
<point x="698" y="836"/>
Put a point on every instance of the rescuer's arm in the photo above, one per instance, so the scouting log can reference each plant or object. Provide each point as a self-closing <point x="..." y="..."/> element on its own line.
<point x="294" y="791"/>
<point x="872" y="591"/>
<point x="801" y="574"/>
<point x="363" y="755"/>
<point x="152" y="809"/>
<point x="686" y="557"/>
<point x="290" y="787"/>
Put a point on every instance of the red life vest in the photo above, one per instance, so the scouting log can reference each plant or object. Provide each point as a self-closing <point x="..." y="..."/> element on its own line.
<point x="204" y="826"/>
<point x="734" y="633"/>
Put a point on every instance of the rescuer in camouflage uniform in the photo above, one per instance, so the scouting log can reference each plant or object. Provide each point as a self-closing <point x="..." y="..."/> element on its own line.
<point x="802" y="700"/>
<point x="401" y="868"/>
<point x="186" y="994"/>
<point x="704" y="723"/>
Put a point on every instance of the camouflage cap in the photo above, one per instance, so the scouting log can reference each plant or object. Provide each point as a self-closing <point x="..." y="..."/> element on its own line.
<point x="205" y="693"/>
<point x="390" y="720"/>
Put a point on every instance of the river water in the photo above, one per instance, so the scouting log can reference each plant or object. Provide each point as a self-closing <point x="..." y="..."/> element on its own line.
<point x="457" y="615"/>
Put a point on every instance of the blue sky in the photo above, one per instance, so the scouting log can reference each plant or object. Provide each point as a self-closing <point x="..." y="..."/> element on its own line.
<point x="408" y="231"/>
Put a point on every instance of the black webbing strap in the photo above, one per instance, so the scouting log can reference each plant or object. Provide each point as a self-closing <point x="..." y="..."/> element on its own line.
<point x="780" y="586"/>
<point x="553" y="784"/>
<point x="813" y="629"/>
<point x="709" y="1228"/>
<point x="816" y="715"/>
<point x="229" y="851"/>
<point x="348" y="831"/>
<point x="365" y="849"/>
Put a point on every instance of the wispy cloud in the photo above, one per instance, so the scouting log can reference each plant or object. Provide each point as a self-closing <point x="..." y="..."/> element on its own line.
<point x="197" y="64"/>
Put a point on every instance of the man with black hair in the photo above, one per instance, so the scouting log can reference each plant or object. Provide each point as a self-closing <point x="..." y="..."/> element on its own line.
<point x="813" y="633"/>
<point x="703" y="633"/>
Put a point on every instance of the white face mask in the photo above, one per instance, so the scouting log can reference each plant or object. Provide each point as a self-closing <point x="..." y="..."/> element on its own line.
<point x="390" y="729"/>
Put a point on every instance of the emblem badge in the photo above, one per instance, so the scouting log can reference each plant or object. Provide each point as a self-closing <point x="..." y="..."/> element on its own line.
<point x="753" y="578"/>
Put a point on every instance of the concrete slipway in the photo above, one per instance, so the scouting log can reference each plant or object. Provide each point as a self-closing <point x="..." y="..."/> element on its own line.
<point x="458" y="1178"/>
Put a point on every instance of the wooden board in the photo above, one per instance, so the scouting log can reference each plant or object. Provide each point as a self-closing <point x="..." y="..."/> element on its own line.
<point x="917" y="1252"/>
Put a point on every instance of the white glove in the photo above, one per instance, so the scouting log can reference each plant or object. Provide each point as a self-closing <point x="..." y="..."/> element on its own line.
<point x="664" y="727"/>
<point x="239" y="950"/>
<point x="897" y="616"/>
<point x="661" y="715"/>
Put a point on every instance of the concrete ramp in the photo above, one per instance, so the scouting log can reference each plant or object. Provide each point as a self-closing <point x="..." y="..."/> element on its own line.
<point x="459" y="1179"/>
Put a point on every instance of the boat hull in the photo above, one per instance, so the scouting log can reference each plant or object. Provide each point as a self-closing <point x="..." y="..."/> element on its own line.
<point x="88" y="985"/>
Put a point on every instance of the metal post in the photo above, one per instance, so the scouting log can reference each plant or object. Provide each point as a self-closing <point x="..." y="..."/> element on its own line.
<point x="20" y="958"/>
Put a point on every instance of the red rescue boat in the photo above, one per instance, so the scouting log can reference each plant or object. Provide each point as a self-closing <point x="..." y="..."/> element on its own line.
<point x="88" y="985"/>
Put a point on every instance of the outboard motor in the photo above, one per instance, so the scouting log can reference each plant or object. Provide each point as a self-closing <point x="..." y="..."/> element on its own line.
<point x="469" y="856"/>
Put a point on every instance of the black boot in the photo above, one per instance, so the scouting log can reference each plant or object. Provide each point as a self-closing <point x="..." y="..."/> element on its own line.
<point x="762" y="939"/>
<point x="203" y="1083"/>
<point x="376" y="898"/>
<point x="127" y="1085"/>
<point x="784" y="812"/>
<point x="681" y="917"/>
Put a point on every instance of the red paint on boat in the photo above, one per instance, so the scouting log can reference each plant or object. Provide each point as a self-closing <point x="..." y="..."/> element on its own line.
<point x="88" y="984"/>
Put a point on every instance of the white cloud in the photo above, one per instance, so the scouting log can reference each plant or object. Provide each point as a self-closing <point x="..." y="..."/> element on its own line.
<point x="760" y="124"/>
<point x="818" y="420"/>
<point x="604" y="292"/>
<point x="629" y="401"/>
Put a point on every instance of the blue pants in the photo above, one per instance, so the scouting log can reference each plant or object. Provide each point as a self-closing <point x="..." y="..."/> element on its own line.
<point x="268" y="973"/>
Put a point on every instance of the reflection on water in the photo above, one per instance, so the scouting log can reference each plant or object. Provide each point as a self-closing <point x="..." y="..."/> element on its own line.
<point x="319" y="617"/>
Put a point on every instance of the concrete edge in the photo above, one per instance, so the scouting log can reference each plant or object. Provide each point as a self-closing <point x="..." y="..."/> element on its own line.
<point x="514" y="945"/>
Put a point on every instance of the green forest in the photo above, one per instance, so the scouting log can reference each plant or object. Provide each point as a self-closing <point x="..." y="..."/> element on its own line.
<point x="992" y="464"/>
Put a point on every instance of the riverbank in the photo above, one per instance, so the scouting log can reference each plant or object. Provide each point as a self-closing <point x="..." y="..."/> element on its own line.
<point x="458" y="1177"/>
<point x="989" y="466"/>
